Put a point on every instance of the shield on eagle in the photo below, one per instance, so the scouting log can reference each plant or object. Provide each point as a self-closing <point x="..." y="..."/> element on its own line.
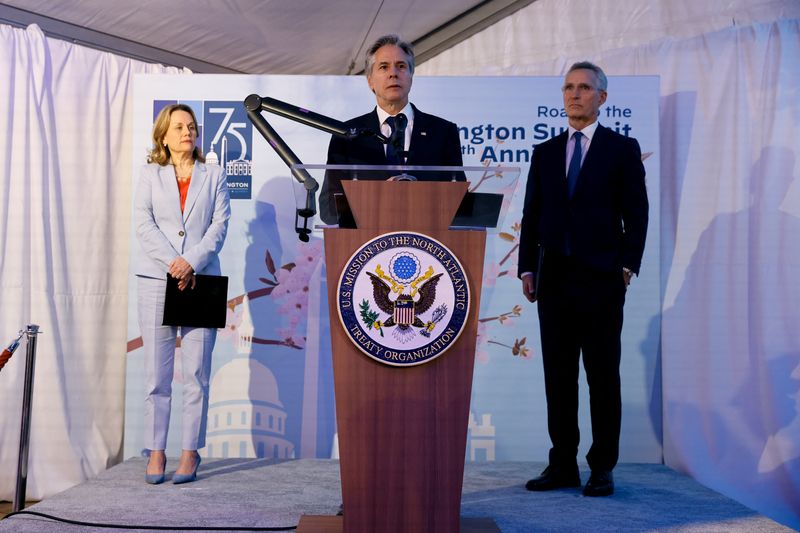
<point x="404" y="310"/>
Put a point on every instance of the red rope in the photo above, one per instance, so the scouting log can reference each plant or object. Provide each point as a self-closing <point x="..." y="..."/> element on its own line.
<point x="8" y="352"/>
<point x="4" y="358"/>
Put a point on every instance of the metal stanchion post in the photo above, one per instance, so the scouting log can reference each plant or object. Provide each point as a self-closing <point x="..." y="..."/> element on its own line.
<point x="31" y="331"/>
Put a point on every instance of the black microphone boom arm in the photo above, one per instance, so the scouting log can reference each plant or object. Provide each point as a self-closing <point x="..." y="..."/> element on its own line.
<point x="304" y="116"/>
<point x="254" y="104"/>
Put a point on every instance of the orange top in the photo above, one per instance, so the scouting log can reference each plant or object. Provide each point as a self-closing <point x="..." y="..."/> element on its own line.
<point x="183" y="190"/>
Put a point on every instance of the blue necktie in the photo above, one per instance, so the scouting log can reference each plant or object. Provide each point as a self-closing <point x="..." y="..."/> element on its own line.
<point x="397" y="140"/>
<point x="574" y="164"/>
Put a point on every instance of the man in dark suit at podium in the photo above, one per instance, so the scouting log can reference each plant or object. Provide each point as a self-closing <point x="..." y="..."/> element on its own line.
<point x="415" y="138"/>
<point x="583" y="232"/>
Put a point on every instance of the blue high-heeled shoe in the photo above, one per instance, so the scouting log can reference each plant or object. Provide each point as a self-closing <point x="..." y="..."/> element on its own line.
<point x="156" y="479"/>
<point x="177" y="479"/>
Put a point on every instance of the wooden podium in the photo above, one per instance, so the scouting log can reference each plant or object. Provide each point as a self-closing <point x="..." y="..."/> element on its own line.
<point x="402" y="430"/>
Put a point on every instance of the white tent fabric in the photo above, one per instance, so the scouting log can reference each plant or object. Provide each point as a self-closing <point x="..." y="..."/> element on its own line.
<point x="65" y="128"/>
<point x="730" y="214"/>
<point x="248" y="36"/>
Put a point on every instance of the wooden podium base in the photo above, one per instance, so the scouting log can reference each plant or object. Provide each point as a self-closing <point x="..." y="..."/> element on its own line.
<point x="335" y="524"/>
<point x="402" y="431"/>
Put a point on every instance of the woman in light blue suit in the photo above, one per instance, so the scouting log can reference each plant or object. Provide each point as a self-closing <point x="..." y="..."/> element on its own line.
<point x="181" y="215"/>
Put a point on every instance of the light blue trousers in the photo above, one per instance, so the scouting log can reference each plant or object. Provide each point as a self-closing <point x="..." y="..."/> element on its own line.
<point x="159" y="362"/>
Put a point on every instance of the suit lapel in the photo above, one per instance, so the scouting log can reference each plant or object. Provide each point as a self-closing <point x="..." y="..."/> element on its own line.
<point x="419" y="134"/>
<point x="560" y="161"/>
<point x="169" y="185"/>
<point x="199" y="177"/>
<point x="375" y="150"/>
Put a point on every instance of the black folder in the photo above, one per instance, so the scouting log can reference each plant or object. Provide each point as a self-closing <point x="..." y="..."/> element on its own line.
<point x="201" y="307"/>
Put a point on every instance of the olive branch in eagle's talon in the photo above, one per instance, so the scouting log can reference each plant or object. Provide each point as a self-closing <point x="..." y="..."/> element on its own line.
<point x="370" y="317"/>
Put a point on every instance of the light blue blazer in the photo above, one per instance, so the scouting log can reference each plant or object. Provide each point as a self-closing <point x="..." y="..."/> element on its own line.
<point x="165" y="233"/>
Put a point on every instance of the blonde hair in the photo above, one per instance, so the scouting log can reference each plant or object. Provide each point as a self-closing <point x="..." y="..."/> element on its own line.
<point x="159" y="153"/>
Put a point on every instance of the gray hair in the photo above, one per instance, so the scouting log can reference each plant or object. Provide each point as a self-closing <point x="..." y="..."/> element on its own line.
<point x="601" y="76"/>
<point x="407" y="48"/>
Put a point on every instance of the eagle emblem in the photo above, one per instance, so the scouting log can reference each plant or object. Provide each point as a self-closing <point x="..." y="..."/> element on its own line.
<point x="403" y="298"/>
<point x="404" y="311"/>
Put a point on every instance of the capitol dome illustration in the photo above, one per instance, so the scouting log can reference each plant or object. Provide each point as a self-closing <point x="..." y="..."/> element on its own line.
<point x="245" y="415"/>
<point x="211" y="157"/>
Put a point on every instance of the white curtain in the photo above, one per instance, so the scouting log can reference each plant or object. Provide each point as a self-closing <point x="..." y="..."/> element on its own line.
<point x="730" y="214"/>
<point x="65" y="185"/>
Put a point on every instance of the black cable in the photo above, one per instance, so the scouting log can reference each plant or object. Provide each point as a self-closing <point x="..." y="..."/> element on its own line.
<point x="162" y="528"/>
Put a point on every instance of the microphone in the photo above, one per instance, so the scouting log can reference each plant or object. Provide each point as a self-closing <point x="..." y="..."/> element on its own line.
<point x="395" y="150"/>
<point x="366" y="132"/>
<point x="398" y="142"/>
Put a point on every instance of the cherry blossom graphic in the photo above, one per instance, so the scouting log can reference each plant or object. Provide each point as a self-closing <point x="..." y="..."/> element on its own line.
<point x="233" y="320"/>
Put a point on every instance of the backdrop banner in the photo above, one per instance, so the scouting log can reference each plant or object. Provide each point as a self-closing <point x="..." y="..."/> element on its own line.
<point x="272" y="383"/>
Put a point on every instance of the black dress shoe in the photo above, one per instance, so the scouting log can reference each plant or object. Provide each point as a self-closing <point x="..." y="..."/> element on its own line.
<point x="555" y="478"/>
<point x="601" y="483"/>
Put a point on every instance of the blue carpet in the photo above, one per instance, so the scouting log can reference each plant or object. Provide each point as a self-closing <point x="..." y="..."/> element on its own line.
<point x="270" y="493"/>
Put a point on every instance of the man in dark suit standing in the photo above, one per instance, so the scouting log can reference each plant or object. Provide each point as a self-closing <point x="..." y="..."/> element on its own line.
<point x="415" y="138"/>
<point x="582" y="239"/>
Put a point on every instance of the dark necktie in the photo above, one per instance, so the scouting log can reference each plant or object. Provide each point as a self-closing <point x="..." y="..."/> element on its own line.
<point x="574" y="164"/>
<point x="397" y="140"/>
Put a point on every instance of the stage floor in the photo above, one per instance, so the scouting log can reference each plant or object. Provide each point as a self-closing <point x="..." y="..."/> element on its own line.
<point x="232" y="493"/>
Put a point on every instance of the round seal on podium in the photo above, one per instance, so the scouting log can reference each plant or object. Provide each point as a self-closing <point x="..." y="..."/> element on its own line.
<point x="403" y="298"/>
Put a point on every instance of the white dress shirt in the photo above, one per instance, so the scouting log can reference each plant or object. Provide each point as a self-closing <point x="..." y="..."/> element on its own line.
<point x="408" y="111"/>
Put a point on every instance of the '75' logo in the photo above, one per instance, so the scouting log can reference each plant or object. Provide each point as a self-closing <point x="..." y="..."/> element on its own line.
<point x="231" y="123"/>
